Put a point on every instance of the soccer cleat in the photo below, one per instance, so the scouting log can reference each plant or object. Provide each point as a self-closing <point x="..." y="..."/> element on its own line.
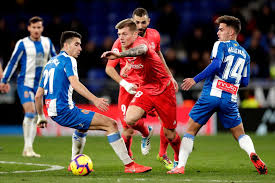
<point x="136" y="168"/>
<point x="28" y="152"/>
<point x="176" y="170"/>
<point x="175" y="164"/>
<point x="165" y="161"/>
<point x="145" y="142"/>
<point x="258" y="163"/>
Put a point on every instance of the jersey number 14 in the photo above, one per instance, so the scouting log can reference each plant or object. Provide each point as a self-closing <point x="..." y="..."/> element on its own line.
<point x="233" y="71"/>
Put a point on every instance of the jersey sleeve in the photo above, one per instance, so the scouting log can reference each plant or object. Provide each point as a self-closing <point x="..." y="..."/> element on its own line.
<point x="12" y="64"/>
<point x="246" y="73"/>
<point x="218" y="50"/>
<point x="157" y="41"/>
<point x="71" y="67"/>
<point x="116" y="48"/>
<point x="41" y="84"/>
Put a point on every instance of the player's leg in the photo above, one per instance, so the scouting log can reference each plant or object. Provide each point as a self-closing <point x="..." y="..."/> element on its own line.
<point x="29" y="124"/>
<point x="199" y="115"/>
<point x="127" y="135"/>
<point x="101" y="122"/>
<point x="247" y="145"/>
<point x="230" y="118"/>
<point x="162" y="155"/>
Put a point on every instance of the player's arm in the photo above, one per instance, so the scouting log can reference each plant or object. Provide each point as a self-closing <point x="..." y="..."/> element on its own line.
<point x="11" y="67"/>
<point x="111" y="71"/>
<point x="100" y="103"/>
<point x="132" y="52"/>
<point x="41" y="121"/>
<point x="208" y="71"/>
<point x="168" y="70"/>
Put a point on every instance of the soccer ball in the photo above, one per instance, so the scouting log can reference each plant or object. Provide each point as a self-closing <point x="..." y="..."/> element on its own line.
<point x="81" y="165"/>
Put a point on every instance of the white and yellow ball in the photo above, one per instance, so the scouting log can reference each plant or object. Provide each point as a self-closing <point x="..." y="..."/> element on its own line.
<point x="81" y="165"/>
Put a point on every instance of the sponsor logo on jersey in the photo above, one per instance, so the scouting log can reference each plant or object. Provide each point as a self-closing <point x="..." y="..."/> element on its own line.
<point x="152" y="45"/>
<point x="130" y="59"/>
<point x="230" y="88"/>
<point x="136" y="66"/>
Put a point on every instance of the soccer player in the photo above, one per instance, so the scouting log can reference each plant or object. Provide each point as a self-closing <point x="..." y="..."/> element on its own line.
<point x="31" y="53"/>
<point x="59" y="79"/>
<point x="141" y="18"/>
<point x="155" y="89"/>
<point x="229" y="70"/>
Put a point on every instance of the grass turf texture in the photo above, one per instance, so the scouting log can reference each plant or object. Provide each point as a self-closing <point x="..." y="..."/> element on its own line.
<point x="214" y="159"/>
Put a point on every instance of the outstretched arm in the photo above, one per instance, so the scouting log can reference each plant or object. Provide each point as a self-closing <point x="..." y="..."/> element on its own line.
<point x="168" y="70"/>
<point x="100" y="103"/>
<point x="132" y="52"/>
<point x="41" y="121"/>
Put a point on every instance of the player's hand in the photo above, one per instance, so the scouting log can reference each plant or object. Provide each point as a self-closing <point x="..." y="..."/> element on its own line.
<point x="129" y="87"/>
<point x="4" y="88"/>
<point x="175" y="83"/>
<point x="111" y="55"/>
<point x="187" y="83"/>
<point x="101" y="104"/>
<point x="41" y="121"/>
<point x="125" y="70"/>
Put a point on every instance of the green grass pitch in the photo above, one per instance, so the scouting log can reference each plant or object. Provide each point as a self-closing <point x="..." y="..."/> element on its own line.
<point x="214" y="159"/>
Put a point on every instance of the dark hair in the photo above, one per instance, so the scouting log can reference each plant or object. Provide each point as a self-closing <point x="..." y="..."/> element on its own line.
<point x="67" y="35"/>
<point x="127" y="23"/>
<point x="35" y="19"/>
<point x="231" y="21"/>
<point x="140" y="12"/>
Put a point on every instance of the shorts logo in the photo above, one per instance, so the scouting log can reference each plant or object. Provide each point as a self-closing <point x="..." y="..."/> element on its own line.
<point x="81" y="125"/>
<point x="230" y="88"/>
<point x="85" y="111"/>
<point x="26" y="94"/>
<point x="175" y="122"/>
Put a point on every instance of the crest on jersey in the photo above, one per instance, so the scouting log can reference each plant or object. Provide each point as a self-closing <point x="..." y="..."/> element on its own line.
<point x="235" y="44"/>
<point x="130" y="59"/>
<point x="85" y="111"/>
<point x="152" y="45"/>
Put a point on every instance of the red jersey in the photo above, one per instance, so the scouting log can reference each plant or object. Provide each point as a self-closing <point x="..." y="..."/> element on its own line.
<point x="150" y="69"/>
<point x="153" y="38"/>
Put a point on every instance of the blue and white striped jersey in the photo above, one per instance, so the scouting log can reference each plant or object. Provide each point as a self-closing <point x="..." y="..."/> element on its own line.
<point x="233" y="72"/>
<point x="57" y="88"/>
<point x="32" y="57"/>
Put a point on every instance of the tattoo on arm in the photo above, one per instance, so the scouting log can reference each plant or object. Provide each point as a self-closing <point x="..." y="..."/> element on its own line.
<point x="136" y="51"/>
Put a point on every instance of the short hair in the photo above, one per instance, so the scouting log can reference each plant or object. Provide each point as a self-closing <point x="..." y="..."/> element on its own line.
<point x="231" y="21"/>
<point x="35" y="19"/>
<point x="127" y="23"/>
<point x="140" y="12"/>
<point x="68" y="35"/>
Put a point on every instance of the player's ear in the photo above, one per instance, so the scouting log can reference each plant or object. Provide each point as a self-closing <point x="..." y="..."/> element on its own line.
<point x="149" y="21"/>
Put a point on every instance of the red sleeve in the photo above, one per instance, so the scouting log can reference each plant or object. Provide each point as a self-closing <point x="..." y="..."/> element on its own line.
<point x="117" y="48"/>
<point x="157" y="41"/>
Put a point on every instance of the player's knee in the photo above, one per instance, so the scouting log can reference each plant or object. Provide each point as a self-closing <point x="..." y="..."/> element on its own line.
<point x="170" y="134"/>
<point x="112" y="125"/>
<point x="130" y="120"/>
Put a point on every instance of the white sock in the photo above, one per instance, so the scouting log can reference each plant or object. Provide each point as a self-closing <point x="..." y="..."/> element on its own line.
<point x="78" y="142"/>
<point x="186" y="148"/>
<point x="119" y="147"/>
<point x="27" y="128"/>
<point x="33" y="129"/>
<point x="246" y="144"/>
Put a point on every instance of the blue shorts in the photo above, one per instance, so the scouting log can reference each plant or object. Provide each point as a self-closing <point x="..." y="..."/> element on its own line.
<point x="26" y="94"/>
<point x="227" y="110"/>
<point x="75" y="118"/>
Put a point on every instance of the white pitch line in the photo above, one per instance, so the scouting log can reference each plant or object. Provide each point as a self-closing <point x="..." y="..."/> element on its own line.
<point x="51" y="167"/>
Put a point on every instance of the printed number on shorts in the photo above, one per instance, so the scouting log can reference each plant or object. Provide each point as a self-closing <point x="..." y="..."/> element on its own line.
<point x="138" y="94"/>
<point x="123" y="109"/>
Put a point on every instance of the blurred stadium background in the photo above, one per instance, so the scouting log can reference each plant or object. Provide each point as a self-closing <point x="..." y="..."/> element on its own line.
<point x="187" y="36"/>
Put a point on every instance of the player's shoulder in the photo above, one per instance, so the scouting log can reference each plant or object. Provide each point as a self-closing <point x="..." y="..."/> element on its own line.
<point x="152" y="31"/>
<point x="44" y="38"/>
